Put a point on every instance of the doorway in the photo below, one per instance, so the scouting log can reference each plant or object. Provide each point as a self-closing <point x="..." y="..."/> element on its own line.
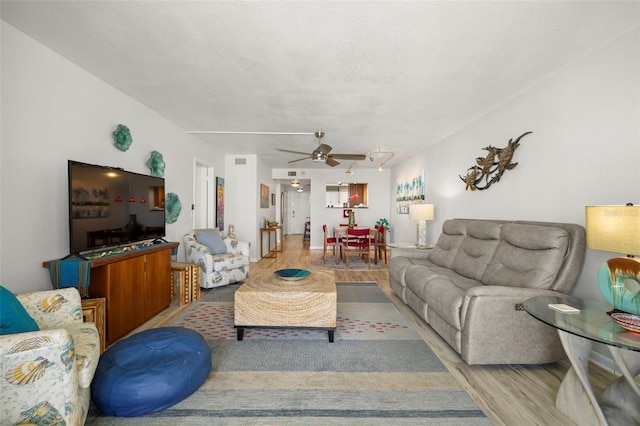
<point x="204" y="195"/>
<point x="299" y="211"/>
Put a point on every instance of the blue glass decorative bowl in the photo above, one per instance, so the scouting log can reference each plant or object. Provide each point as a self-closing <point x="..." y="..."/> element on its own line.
<point x="292" y="274"/>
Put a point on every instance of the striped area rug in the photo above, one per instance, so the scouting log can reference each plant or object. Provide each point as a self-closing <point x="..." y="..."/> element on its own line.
<point x="378" y="371"/>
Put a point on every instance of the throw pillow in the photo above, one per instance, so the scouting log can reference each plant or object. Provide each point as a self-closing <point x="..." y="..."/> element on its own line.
<point x="14" y="318"/>
<point x="212" y="239"/>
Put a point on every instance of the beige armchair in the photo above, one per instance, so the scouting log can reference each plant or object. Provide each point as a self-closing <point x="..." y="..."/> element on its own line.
<point x="46" y="375"/>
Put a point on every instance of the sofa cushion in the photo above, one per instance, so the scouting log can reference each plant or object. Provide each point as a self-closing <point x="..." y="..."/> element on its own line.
<point x="442" y="289"/>
<point x="212" y="239"/>
<point x="527" y="256"/>
<point x="477" y="249"/>
<point x="453" y="232"/>
<point x="13" y="316"/>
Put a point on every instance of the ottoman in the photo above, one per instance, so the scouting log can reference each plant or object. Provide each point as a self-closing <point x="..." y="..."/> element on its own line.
<point x="150" y="371"/>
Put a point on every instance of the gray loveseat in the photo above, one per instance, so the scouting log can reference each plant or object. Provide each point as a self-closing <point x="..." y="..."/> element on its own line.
<point x="469" y="288"/>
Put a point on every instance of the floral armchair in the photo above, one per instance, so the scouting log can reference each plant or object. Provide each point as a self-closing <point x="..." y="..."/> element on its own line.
<point x="219" y="269"/>
<point x="45" y="375"/>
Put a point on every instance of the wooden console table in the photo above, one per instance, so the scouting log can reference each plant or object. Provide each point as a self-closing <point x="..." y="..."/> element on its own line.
<point x="271" y="252"/>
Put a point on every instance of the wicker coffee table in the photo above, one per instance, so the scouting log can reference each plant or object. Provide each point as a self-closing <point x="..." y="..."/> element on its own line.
<point x="265" y="300"/>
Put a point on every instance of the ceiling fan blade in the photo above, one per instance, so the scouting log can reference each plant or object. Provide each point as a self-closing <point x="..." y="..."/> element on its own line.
<point x="331" y="162"/>
<point x="292" y="152"/>
<point x="357" y="157"/>
<point x="323" y="148"/>
<point x="299" y="159"/>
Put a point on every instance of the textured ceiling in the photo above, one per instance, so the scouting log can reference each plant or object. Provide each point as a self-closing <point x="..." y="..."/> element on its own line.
<point x="387" y="76"/>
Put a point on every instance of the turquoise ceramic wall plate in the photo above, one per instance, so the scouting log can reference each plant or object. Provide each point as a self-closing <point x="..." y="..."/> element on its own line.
<point x="619" y="280"/>
<point x="172" y="208"/>
<point x="122" y="137"/>
<point x="156" y="164"/>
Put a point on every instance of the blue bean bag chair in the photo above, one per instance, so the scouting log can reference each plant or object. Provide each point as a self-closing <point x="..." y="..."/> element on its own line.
<point x="150" y="371"/>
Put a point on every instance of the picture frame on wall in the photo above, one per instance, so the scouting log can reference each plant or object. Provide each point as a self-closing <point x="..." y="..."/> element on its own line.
<point x="220" y="203"/>
<point x="410" y="192"/>
<point x="264" y="196"/>
<point x="273" y="199"/>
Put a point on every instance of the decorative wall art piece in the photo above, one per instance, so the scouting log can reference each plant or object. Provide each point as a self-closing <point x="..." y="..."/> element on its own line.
<point x="264" y="196"/>
<point x="89" y="204"/>
<point x="273" y="199"/>
<point x="172" y="208"/>
<point x="122" y="137"/>
<point x="491" y="167"/>
<point x="156" y="164"/>
<point x="220" y="203"/>
<point x="411" y="192"/>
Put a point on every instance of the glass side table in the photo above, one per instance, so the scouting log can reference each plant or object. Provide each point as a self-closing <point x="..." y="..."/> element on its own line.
<point x="619" y="403"/>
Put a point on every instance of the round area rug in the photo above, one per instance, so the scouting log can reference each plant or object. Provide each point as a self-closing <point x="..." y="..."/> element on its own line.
<point x="355" y="263"/>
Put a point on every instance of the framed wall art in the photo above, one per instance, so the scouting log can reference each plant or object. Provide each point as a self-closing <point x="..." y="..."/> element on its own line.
<point x="264" y="196"/>
<point x="220" y="203"/>
<point x="410" y="192"/>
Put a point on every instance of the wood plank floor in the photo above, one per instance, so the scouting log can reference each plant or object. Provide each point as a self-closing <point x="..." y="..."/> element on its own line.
<point x="508" y="394"/>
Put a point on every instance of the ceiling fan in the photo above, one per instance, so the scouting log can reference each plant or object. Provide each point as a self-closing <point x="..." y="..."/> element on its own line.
<point x="321" y="153"/>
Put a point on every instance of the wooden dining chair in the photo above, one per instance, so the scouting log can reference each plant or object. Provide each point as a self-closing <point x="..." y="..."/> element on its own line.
<point x="356" y="242"/>
<point x="381" y="242"/>
<point x="328" y="241"/>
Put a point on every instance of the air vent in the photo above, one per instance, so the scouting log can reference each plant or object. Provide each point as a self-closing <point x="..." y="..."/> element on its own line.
<point x="292" y="174"/>
<point x="241" y="161"/>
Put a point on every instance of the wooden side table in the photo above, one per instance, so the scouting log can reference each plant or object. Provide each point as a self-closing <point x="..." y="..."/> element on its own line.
<point x="93" y="310"/>
<point x="188" y="281"/>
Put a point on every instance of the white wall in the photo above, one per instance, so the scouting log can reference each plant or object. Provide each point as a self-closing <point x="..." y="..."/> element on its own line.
<point x="54" y="111"/>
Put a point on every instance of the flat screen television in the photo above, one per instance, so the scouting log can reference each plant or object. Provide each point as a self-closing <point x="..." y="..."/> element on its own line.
<point x="111" y="207"/>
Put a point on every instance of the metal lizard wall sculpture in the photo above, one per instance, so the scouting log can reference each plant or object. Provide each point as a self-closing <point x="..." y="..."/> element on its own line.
<point x="488" y="168"/>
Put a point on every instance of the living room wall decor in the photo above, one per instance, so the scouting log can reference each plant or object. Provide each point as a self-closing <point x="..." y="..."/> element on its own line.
<point x="122" y="137"/>
<point x="156" y="164"/>
<point x="410" y="192"/>
<point x="492" y="166"/>
<point x="264" y="196"/>
<point x="220" y="203"/>
<point x="172" y="208"/>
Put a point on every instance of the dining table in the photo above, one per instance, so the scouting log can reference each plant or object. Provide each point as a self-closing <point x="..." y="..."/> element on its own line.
<point x="340" y="232"/>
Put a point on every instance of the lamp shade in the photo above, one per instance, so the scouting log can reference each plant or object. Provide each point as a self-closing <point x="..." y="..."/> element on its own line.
<point x="421" y="212"/>
<point x="614" y="229"/>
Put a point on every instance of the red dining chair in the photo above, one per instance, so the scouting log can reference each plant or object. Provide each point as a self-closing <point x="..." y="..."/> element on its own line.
<point x="356" y="242"/>
<point x="381" y="242"/>
<point x="328" y="241"/>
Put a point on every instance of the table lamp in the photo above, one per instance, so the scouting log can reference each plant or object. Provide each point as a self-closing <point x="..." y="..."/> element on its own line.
<point x="617" y="229"/>
<point x="422" y="213"/>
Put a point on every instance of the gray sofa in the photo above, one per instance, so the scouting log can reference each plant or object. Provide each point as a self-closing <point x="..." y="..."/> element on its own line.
<point x="469" y="288"/>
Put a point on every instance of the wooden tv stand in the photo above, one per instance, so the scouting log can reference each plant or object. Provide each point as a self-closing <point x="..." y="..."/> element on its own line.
<point x="136" y="286"/>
